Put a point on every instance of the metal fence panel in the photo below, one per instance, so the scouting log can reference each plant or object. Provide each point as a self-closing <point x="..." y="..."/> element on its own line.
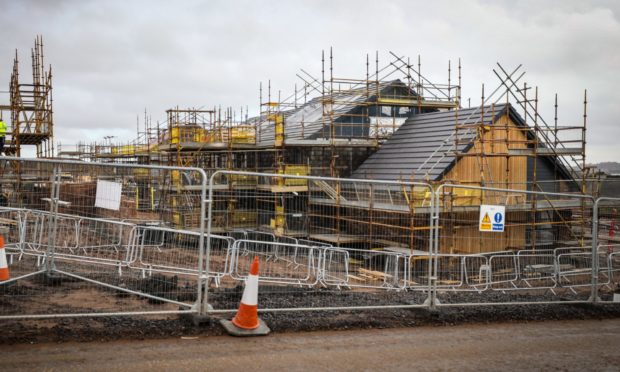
<point x="606" y="239"/>
<point x="81" y="239"/>
<point x="521" y="252"/>
<point x="279" y="262"/>
<point x="322" y="243"/>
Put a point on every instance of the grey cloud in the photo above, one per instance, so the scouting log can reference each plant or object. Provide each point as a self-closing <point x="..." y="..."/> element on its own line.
<point x="113" y="59"/>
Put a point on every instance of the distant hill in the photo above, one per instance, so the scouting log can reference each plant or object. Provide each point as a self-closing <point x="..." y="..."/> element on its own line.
<point x="610" y="167"/>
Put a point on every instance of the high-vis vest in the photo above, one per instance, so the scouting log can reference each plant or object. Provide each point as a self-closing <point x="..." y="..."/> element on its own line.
<point x="2" y="128"/>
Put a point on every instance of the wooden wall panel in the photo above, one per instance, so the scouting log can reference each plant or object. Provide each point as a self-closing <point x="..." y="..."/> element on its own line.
<point x="499" y="169"/>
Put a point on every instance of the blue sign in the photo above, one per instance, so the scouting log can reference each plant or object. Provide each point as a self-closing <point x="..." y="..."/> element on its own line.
<point x="498" y="225"/>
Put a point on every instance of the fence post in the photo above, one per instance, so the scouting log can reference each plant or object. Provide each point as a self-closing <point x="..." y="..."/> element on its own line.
<point x="594" y="294"/>
<point x="53" y="225"/>
<point x="202" y="271"/>
<point x="434" y="251"/>
<point x="209" y="203"/>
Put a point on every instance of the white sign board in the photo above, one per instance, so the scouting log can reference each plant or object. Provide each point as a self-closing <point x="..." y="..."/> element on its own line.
<point x="108" y="195"/>
<point x="492" y="218"/>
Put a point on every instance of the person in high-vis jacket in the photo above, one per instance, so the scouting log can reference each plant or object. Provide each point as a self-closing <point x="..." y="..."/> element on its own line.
<point x="2" y="135"/>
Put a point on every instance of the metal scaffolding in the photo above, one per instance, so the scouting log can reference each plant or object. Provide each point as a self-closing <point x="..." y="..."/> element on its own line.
<point x="30" y="107"/>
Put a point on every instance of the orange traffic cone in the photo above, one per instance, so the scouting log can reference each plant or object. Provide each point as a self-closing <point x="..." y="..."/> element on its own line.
<point x="246" y="322"/>
<point x="247" y="316"/>
<point x="4" y="267"/>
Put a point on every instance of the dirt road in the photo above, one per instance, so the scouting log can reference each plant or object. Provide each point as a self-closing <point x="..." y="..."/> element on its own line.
<point x="572" y="345"/>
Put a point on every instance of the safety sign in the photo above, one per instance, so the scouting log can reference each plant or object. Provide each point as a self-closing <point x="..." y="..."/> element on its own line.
<point x="492" y="218"/>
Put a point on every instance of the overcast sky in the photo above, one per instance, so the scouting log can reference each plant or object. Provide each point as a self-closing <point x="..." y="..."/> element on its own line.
<point x="114" y="59"/>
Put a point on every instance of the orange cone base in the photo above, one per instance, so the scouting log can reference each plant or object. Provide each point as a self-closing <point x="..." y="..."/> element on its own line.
<point x="247" y="317"/>
<point x="233" y="330"/>
<point x="4" y="274"/>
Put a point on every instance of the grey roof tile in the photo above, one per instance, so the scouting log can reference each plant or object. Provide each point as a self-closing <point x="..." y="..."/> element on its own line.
<point x="424" y="145"/>
<point x="306" y="122"/>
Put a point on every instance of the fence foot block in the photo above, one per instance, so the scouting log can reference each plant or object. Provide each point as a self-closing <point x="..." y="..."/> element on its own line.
<point x="54" y="279"/>
<point x="262" y="330"/>
<point x="594" y="300"/>
<point x="198" y="320"/>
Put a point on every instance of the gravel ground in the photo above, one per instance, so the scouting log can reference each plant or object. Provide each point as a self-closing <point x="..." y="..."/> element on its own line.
<point x="116" y="328"/>
<point x="71" y="296"/>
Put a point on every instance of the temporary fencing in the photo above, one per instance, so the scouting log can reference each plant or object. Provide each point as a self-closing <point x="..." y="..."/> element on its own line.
<point x="280" y="262"/>
<point x="606" y="245"/>
<point x="112" y="239"/>
<point x="511" y="246"/>
<point x="322" y="243"/>
<point x="101" y="239"/>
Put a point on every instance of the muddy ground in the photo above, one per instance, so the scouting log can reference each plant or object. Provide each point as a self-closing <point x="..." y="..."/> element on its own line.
<point x="575" y="345"/>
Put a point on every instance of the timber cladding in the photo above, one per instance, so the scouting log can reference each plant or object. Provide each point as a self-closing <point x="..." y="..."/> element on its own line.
<point x="489" y="162"/>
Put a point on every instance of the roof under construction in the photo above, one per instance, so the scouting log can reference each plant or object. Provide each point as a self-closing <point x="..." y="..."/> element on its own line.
<point x="425" y="146"/>
<point x="412" y="152"/>
<point x="310" y="122"/>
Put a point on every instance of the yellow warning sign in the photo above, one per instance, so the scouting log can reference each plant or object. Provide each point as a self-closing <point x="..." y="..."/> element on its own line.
<point x="485" y="223"/>
<point x="486" y="218"/>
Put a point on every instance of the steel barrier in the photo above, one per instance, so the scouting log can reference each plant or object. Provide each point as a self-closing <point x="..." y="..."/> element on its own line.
<point x="328" y="243"/>
<point x="334" y="267"/>
<point x="604" y="230"/>
<point x="279" y="262"/>
<point x="359" y="268"/>
<point x="323" y="243"/>
<point x="71" y="249"/>
<point x="521" y="234"/>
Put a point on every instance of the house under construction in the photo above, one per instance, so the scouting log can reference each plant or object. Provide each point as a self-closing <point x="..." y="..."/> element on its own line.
<point x="392" y="124"/>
